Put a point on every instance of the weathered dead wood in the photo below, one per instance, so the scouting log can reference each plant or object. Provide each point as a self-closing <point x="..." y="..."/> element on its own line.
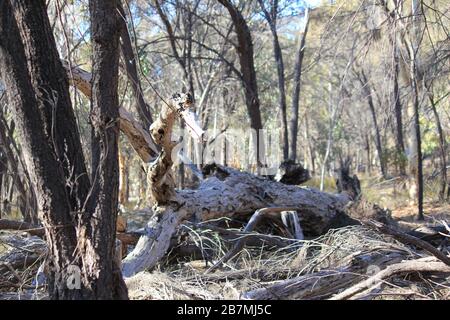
<point x="324" y="283"/>
<point x="154" y="244"/>
<point x="252" y="223"/>
<point x="225" y="193"/>
<point x="139" y="138"/>
<point x="228" y="192"/>
<point x="408" y="239"/>
<point x="20" y="252"/>
<point x="430" y="233"/>
<point x="395" y="269"/>
<point x="168" y="211"/>
<point x="159" y="176"/>
<point x="6" y="224"/>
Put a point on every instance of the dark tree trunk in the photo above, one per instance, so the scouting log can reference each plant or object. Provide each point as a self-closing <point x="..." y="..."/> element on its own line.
<point x="399" y="140"/>
<point x="245" y="52"/>
<point x="46" y="170"/>
<point x="442" y="149"/>
<point x="271" y="18"/>
<point x="369" y="159"/>
<point x="79" y="228"/>
<point x="297" y="87"/>
<point x="99" y="224"/>
<point x="52" y="92"/>
<point x="368" y="92"/>
<point x="419" y="170"/>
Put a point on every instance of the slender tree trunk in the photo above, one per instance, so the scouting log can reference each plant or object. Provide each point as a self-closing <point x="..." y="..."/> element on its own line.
<point x="246" y="60"/>
<point x="297" y="87"/>
<point x="368" y="92"/>
<point x="369" y="160"/>
<point x="129" y="60"/>
<point x="282" y="93"/>
<point x="99" y="225"/>
<point x="309" y="143"/>
<point x="123" y="178"/>
<point x="272" y="18"/>
<point x="416" y="169"/>
<point x="399" y="141"/>
<point x="442" y="149"/>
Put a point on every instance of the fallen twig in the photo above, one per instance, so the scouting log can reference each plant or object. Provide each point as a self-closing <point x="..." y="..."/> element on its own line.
<point x="407" y="239"/>
<point x="399" y="268"/>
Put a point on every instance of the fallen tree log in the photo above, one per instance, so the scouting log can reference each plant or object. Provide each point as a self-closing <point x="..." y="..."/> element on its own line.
<point x="227" y="192"/>
<point x="20" y="252"/>
<point x="224" y="193"/>
<point x="33" y="230"/>
<point x="408" y="239"/>
<point x="430" y="233"/>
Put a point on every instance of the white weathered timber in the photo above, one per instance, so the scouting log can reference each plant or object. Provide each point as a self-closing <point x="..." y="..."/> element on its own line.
<point x="154" y="244"/>
<point x="225" y="193"/>
<point x="229" y="192"/>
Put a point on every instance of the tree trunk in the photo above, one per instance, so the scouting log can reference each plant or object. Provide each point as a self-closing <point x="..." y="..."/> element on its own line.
<point x="129" y="60"/>
<point x="399" y="141"/>
<point x="46" y="171"/>
<point x="297" y="87"/>
<point x="369" y="159"/>
<point x="271" y="18"/>
<point x="442" y="149"/>
<point x="49" y="79"/>
<point x="99" y="223"/>
<point x="79" y="221"/>
<point x="245" y="52"/>
<point x="368" y="92"/>
<point x="123" y="178"/>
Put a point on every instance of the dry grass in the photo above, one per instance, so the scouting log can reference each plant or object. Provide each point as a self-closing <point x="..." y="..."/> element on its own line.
<point x="255" y="268"/>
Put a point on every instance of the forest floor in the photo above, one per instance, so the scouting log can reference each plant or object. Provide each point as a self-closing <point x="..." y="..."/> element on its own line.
<point x="317" y="268"/>
<point x="247" y="276"/>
